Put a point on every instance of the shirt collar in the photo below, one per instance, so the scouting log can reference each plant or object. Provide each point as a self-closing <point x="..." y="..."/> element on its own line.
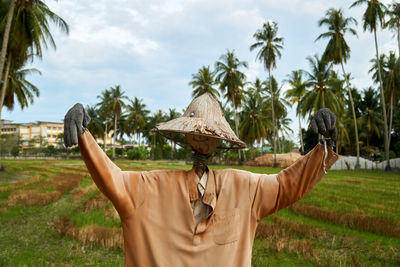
<point x="209" y="197"/>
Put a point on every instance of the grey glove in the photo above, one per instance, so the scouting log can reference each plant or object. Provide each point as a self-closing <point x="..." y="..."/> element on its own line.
<point x="75" y="122"/>
<point x="324" y="123"/>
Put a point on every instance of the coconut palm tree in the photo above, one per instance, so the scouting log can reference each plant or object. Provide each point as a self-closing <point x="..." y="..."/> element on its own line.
<point x="96" y="125"/>
<point x="137" y="116"/>
<point x="28" y="22"/>
<point x="111" y="104"/>
<point x="297" y="90"/>
<point x="29" y="26"/>
<point x="391" y="81"/>
<point x="321" y="94"/>
<point x="172" y="114"/>
<point x="117" y="97"/>
<point x="280" y="110"/>
<point x="204" y="82"/>
<point x="231" y="81"/>
<point x="270" y="47"/>
<point x="105" y="113"/>
<point x="155" y="139"/>
<point x="394" y="21"/>
<point x="254" y="122"/>
<point x="374" y="16"/>
<point x="338" y="52"/>
<point x="371" y="119"/>
<point x="18" y="88"/>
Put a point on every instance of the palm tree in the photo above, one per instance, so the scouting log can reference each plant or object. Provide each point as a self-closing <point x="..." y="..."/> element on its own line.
<point x="321" y="94"/>
<point x="280" y="110"/>
<point x="269" y="46"/>
<point x="105" y="113"/>
<point x="137" y="116"/>
<point x="297" y="90"/>
<point x="111" y="105"/>
<point x="172" y="114"/>
<point x="96" y="125"/>
<point x="203" y="82"/>
<point x="30" y="31"/>
<point x="254" y="123"/>
<point x="338" y="52"/>
<point x="371" y="118"/>
<point x="117" y="103"/>
<point x="391" y="82"/>
<point x="155" y="139"/>
<point x="394" y="21"/>
<point x="374" y="15"/>
<point x="18" y="88"/>
<point x="231" y="81"/>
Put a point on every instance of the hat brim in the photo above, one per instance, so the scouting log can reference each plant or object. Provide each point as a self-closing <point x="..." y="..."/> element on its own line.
<point x="200" y="126"/>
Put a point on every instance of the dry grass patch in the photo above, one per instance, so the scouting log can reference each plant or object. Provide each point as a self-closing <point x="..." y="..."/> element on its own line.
<point x="96" y="202"/>
<point x="31" y="198"/>
<point x="80" y="192"/>
<point x="353" y="220"/>
<point x="62" y="183"/>
<point x="104" y="236"/>
<point x="325" y="247"/>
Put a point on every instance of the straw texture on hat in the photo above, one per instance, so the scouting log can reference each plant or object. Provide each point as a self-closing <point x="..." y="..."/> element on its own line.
<point x="202" y="117"/>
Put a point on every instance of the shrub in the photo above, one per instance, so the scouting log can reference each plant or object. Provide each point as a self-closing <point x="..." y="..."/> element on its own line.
<point x="138" y="153"/>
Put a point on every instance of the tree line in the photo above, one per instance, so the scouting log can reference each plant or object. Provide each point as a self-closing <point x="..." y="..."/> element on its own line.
<point x="367" y="119"/>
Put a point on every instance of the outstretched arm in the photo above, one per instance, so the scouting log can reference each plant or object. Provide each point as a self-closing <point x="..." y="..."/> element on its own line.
<point x="275" y="192"/>
<point x="111" y="181"/>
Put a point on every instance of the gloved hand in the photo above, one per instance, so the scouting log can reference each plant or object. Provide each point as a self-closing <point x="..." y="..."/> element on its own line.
<point x="324" y="123"/>
<point x="75" y="122"/>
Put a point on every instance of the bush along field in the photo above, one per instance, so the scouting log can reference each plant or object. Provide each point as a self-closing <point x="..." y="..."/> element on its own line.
<point x="51" y="213"/>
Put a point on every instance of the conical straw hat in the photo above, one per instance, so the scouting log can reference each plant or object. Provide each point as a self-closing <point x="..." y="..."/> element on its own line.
<point x="202" y="117"/>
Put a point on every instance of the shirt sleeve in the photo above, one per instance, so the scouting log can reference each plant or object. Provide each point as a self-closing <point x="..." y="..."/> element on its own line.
<point x="119" y="186"/>
<point x="271" y="193"/>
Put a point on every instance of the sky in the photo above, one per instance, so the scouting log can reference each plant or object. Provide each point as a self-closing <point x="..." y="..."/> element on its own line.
<point x="151" y="49"/>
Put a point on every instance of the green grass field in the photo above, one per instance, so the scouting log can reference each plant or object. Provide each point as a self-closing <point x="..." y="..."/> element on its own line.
<point x="51" y="213"/>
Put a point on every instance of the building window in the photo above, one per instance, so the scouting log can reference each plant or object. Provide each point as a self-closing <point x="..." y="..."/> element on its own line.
<point x="60" y="128"/>
<point x="49" y="128"/>
<point x="54" y="136"/>
<point x="54" y="128"/>
<point x="49" y="135"/>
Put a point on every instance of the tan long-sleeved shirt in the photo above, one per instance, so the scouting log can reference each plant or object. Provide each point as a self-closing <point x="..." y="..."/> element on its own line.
<point x="158" y="225"/>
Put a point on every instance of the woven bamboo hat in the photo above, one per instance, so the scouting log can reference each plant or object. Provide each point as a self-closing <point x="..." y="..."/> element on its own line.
<point x="204" y="117"/>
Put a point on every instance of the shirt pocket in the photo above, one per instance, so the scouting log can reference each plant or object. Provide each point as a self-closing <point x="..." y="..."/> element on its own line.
<point x="226" y="226"/>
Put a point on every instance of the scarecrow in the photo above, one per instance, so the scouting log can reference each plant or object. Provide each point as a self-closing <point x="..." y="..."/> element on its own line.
<point x="200" y="217"/>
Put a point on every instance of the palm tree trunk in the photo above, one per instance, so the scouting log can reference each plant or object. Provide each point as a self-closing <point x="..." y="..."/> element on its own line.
<point x="385" y="125"/>
<point x="236" y="123"/>
<point x="390" y="117"/>
<point x="301" y="135"/>
<point x="398" y="37"/>
<point x="6" y="37"/>
<point x="114" y="136"/>
<point x="3" y="95"/>
<point x="357" y="166"/>
<point x="273" y="115"/>
<point x="262" y="145"/>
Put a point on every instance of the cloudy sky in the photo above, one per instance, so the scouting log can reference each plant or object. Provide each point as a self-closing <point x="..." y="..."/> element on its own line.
<point x="151" y="48"/>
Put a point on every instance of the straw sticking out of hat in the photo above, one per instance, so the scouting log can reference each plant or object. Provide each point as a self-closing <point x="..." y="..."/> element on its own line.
<point x="202" y="117"/>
